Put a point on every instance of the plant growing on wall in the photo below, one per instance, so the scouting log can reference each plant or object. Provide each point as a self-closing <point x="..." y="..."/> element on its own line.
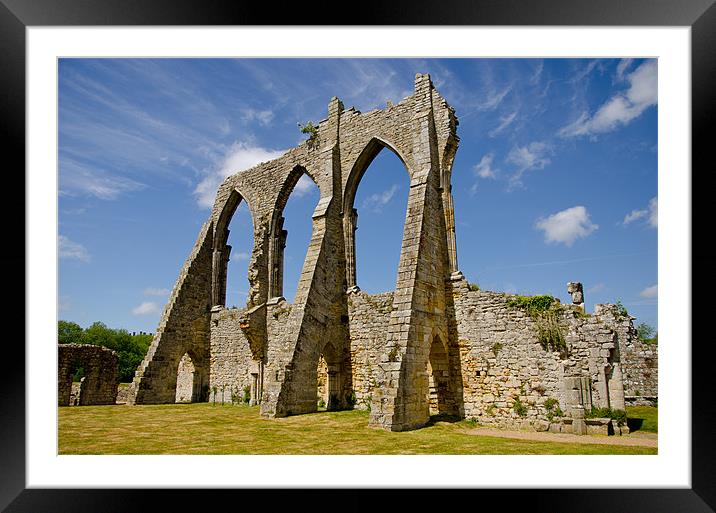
<point x="545" y="311"/>
<point x="247" y="394"/>
<point x="312" y="131"/>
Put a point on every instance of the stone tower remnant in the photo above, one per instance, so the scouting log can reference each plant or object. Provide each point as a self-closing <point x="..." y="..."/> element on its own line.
<point x="577" y="292"/>
<point x="432" y="346"/>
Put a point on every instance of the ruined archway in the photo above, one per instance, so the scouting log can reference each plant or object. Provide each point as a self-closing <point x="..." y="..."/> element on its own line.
<point x="96" y="368"/>
<point x="287" y="339"/>
<point x="351" y="213"/>
<point x="221" y="254"/>
<point x="298" y="184"/>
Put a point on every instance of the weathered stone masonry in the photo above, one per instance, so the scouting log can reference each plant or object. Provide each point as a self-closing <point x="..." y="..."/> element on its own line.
<point x="423" y="349"/>
<point x="101" y="366"/>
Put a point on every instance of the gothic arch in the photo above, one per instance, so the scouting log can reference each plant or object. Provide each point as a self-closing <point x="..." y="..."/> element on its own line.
<point x="221" y="251"/>
<point x="277" y="235"/>
<point x="350" y="215"/>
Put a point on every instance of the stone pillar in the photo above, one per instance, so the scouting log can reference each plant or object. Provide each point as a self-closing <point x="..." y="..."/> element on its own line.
<point x="219" y="268"/>
<point x="350" y="227"/>
<point x="216" y="259"/>
<point x="616" y="388"/>
<point x="450" y="231"/>
<point x="278" y="244"/>
<point x="576" y="291"/>
<point x="334" y="388"/>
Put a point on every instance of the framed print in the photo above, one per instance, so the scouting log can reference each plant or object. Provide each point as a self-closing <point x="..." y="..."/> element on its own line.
<point x="67" y="71"/>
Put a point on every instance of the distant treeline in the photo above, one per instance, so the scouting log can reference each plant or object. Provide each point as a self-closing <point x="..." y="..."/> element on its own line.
<point x="130" y="348"/>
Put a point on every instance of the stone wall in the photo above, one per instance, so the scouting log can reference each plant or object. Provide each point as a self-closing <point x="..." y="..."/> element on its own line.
<point x="231" y="358"/>
<point x="502" y="364"/>
<point x="641" y="372"/>
<point x="101" y="368"/>
<point x="430" y="347"/>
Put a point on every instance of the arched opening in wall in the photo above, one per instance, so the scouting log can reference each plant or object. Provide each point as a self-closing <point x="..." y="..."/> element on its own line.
<point x="240" y="244"/>
<point x="291" y="233"/>
<point x="190" y="387"/>
<point x="329" y="375"/>
<point x="439" y="379"/>
<point x="78" y="374"/>
<point x="379" y="210"/>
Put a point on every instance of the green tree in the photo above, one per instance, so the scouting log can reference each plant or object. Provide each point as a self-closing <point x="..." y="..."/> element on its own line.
<point x="69" y="333"/>
<point x="645" y="331"/>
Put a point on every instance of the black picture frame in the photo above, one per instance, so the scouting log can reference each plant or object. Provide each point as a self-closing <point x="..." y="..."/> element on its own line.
<point x="699" y="15"/>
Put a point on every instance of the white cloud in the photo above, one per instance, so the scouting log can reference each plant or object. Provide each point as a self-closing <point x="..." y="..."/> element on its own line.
<point x="377" y="201"/>
<point x="72" y="250"/>
<point x="484" y="168"/>
<point x="76" y="178"/>
<point x="304" y="186"/>
<point x="650" y="292"/>
<point x="146" y="308"/>
<point x="597" y="287"/>
<point x="533" y="156"/>
<point x="263" y="117"/>
<point x="494" y="99"/>
<point x="242" y="255"/>
<point x="654" y="213"/>
<point x="505" y="121"/>
<point x="239" y="157"/>
<point x="623" y="65"/>
<point x="621" y="108"/>
<point x="650" y="214"/>
<point x="151" y="291"/>
<point x="567" y="226"/>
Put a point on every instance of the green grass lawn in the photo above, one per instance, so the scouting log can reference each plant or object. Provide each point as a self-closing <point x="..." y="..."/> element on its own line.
<point x="203" y="428"/>
<point x="643" y="418"/>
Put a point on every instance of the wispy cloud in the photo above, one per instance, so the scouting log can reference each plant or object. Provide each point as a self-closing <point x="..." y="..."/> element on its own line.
<point x="146" y="308"/>
<point x="378" y="200"/>
<point x="78" y="179"/>
<point x="525" y="158"/>
<point x="620" y="109"/>
<point x="484" y="168"/>
<point x="263" y="117"/>
<point x="650" y="292"/>
<point x="597" y="287"/>
<point x="304" y="186"/>
<point x="494" y="99"/>
<point x="240" y="156"/>
<point x="566" y="226"/>
<point x="649" y="214"/>
<point x="505" y="121"/>
<point x="241" y="255"/>
<point x="72" y="250"/>
<point x="152" y="291"/>
<point x="623" y="65"/>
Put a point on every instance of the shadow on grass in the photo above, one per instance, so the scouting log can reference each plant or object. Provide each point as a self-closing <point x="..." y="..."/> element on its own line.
<point x="634" y="424"/>
<point x="434" y="419"/>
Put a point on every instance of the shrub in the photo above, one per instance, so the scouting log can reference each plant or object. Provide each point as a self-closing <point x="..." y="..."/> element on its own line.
<point x="352" y="399"/>
<point x="393" y="355"/>
<point x="545" y="311"/>
<point x="520" y="409"/>
<point x="474" y="287"/>
<point x="620" y="416"/>
<point x="496" y="348"/>
<point x="247" y="394"/>
<point x="621" y="309"/>
<point x="553" y="409"/>
<point x="321" y="403"/>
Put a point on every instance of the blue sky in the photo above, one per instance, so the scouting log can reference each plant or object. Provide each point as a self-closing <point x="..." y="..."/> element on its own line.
<point x="555" y="179"/>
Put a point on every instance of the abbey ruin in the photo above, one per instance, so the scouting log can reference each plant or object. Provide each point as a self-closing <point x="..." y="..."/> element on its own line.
<point x="432" y="346"/>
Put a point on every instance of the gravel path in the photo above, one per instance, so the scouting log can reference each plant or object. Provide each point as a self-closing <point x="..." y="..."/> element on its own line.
<point x="632" y="439"/>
